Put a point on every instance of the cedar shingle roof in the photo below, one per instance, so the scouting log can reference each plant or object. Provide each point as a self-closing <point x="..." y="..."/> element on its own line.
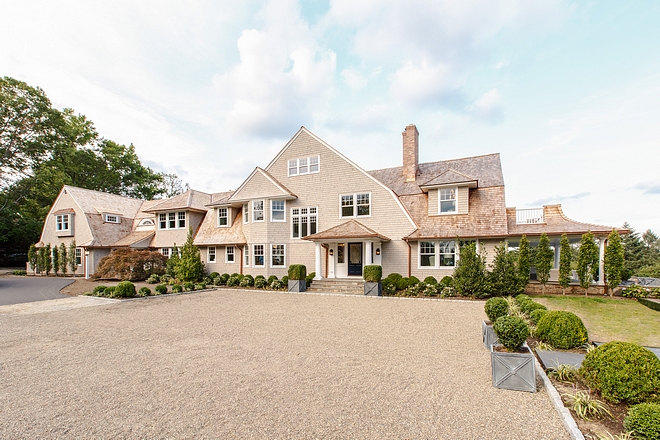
<point x="555" y="222"/>
<point x="448" y="177"/>
<point x="190" y="200"/>
<point x="221" y="198"/>
<point x="134" y="237"/>
<point x="209" y="234"/>
<point x="349" y="229"/>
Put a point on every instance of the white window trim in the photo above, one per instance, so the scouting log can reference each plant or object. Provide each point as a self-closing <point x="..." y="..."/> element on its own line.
<point x="78" y="255"/>
<point x="215" y="255"/>
<point x="107" y="218"/>
<point x="263" y="211"/>
<point x="176" y="220"/>
<point x="60" y="220"/>
<point x="307" y="215"/>
<point x="297" y="168"/>
<point x="455" y="211"/>
<point x="146" y="222"/>
<point x="233" y="253"/>
<point x="355" y="205"/>
<point x="218" y="217"/>
<point x="283" y="211"/>
<point x="246" y="213"/>
<point x="246" y="255"/>
<point x="437" y="254"/>
<point x="254" y="254"/>
<point x="271" y="256"/>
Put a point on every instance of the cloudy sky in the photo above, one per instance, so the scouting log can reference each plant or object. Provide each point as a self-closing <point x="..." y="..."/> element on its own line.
<point x="567" y="92"/>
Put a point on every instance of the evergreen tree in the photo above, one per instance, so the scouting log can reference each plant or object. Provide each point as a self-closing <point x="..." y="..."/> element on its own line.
<point x="190" y="266"/>
<point x="48" y="259"/>
<point x="64" y="259"/>
<point x="33" y="254"/>
<point x="524" y="263"/>
<point x="587" y="265"/>
<point x="614" y="263"/>
<point x="565" y="257"/>
<point x="56" y="260"/>
<point x="41" y="258"/>
<point x="173" y="262"/>
<point x="72" y="257"/>
<point x="544" y="260"/>
<point x="633" y="252"/>
<point x="503" y="277"/>
<point x="471" y="275"/>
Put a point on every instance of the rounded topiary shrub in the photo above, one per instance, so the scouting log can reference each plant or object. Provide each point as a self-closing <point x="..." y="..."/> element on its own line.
<point x="247" y="281"/>
<point x="622" y="372"/>
<point x="529" y="306"/>
<point x="447" y="281"/>
<point x="309" y="278"/>
<point x="563" y="330"/>
<point x="223" y="278"/>
<point x="144" y="291"/>
<point x="233" y="281"/>
<point x="394" y="279"/>
<point x="189" y="286"/>
<point x="125" y="289"/>
<point x="430" y="280"/>
<point x="512" y="331"/>
<point x="536" y="315"/>
<point x="217" y="281"/>
<point x="644" y="421"/>
<point x="496" y="307"/>
<point x="177" y="288"/>
<point x="260" y="282"/>
<point x="373" y="273"/>
<point x="277" y="285"/>
<point x="270" y="279"/>
<point x="285" y="280"/>
<point x="214" y="275"/>
<point x="297" y="272"/>
<point x="162" y="289"/>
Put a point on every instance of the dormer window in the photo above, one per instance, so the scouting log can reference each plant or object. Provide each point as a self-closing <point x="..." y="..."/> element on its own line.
<point x="223" y="217"/>
<point x="146" y="222"/>
<point x="304" y="165"/>
<point x="172" y="220"/>
<point x="111" y="218"/>
<point x="447" y="202"/>
<point x="62" y="222"/>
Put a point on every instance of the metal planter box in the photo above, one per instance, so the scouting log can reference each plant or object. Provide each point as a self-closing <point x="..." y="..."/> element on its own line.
<point x="514" y="371"/>
<point x="297" y="286"/>
<point x="488" y="334"/>
<point x="373" y="289"/>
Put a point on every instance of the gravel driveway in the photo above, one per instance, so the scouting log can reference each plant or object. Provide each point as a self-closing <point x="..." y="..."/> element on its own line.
<point x="236" y="364"/>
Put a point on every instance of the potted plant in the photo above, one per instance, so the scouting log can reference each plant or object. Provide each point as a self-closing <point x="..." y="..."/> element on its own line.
<point x="494" y="308"/>
<point x="297" y="274"/>
<point x="372" y="280"/>
<point x="512" y="361"/>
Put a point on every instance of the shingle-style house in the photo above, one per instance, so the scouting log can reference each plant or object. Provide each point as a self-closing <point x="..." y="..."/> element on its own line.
<point x="312" y="205"/>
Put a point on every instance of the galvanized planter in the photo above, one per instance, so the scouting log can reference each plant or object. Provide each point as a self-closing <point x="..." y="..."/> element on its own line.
<point x="514" y="371"/>
<point x="297" y="286"/>
<point x="373" y="289"/>
<point x="488" y="334"/>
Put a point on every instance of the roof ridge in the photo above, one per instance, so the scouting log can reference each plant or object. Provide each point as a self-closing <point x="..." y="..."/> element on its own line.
<point x="440" y="161"/>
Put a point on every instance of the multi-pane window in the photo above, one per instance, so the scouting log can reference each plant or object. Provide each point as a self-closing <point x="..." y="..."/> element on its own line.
<point x="111" y="218"/>
<point x="277" y="210"/>
<point x="356" y="205"/>
<point x="258" y="255"/>
<point x="434" y="254"/>
<point x="341" y="252"/>
<point x="258" y="211"/>
<point x="78" y="257"/>
<point x="246" y="213"/>
<point x="246" y="256"/>
<point x="165" y="252"/>
<point x="304" y="221"/>
<point x="223" y="217"/>
<point x="447" y="200"/>
<point x="212" y="254"/>
<point x="277" y="255"/>
<point x="62" y="222"/>
<point x="229" y="254"/>
<point x="182" y="219"/>
<point x="162" y="221"/>
<point x="304" y="165"/>
<point x="172" y="220"/>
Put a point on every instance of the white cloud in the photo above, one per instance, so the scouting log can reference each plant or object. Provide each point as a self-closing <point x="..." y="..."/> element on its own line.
<point x="489" y="108"/>
<point x="354" y="79"/>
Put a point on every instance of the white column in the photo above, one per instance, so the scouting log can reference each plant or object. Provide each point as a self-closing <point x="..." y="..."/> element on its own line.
<point x="86" y="255"/>
<point x="368" y="249"/>
<point x="318" y="262"/>
<point x="601" y="263"/>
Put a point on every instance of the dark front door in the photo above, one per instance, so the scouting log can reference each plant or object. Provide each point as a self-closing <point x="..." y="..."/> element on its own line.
<point x="355" y="258"/>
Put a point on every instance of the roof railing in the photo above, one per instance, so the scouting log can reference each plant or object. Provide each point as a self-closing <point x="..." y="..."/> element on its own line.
<point x="530" y="216"/>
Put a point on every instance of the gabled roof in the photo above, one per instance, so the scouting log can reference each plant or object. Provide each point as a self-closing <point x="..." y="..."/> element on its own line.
<point x="95" y="202"/>
<point x="449" y="177"/>
<point x="190" y="200"/>
<point x="262" y="185"/>
<point x="486" y="170"/>
<point x="351" y="229"/>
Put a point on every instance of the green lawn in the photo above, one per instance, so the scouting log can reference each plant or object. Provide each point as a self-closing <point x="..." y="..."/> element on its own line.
<point x="611" y="319"/>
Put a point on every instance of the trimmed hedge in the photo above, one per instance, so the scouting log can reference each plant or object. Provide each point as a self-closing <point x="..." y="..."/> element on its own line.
<point x="512" y="331"/>
<point x="144" y="291"/>
<point x="644" y="421"/>
<point x="297" y="272"/>
<point x="495" y="308"/>
<point x="563" y="330"/>
<point x="430" y="280"/>
<point x="536" y="315"/>
<point x="650" y="304"/>
<point x="125" y="289"/>
<point x="622" y="372"/>
<point x="373" y="273"/>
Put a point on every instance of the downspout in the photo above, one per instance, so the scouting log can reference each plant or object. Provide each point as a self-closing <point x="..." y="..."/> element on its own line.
<point x="240" y="267"/>
<point x="409" y="258"/>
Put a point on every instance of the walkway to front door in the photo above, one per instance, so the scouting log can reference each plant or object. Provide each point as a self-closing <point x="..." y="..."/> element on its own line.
<point x="355" y="259"/>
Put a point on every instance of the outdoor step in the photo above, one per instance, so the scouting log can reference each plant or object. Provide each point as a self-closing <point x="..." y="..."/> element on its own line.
<point x="337" y="286"/>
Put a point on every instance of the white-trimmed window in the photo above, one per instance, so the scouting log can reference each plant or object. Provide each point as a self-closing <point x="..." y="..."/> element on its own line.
<point x="277" y="255"/>
<point x="162" y="221"/>
<point x="304" y="165"/>
<point x="258" y="211"/>
<point x="62" y="222"/>
<point x="146" y="222"/>
<point x="246" y="213"/>
<point x="246" y="256"/>
<point x="78" y="254"/>
<point x="211" y="254"/>
<point x="230" y="254"/>
<point x="223" y="217"/>
<point x="277" y="211"/>
<point x="258" y="251"/>
<point x="172" y="220"/>
<point x="182" y="219"/>
<point x="304" y="221"/>
<point x="356" y="205"/>
<point x="166" y="252"/>
<point x="111" y="218"/>
<point x="437" y="254"/>
<point x="447" y="200"/>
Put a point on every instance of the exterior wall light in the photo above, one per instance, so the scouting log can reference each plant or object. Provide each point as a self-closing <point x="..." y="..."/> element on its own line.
<point x="377" y="251"/>
<point x="332" y="252"/>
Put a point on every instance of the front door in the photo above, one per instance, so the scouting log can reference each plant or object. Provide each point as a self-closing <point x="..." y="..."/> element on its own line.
<point x="354" y="259"/>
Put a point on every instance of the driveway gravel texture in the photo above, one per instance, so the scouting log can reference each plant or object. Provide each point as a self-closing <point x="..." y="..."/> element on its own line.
<point x="260" y="365"/>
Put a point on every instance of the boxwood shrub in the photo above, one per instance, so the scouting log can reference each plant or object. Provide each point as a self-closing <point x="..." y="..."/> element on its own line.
<point x="529" y="306"/>
<point x="162" y="289"/>
<point x="247" y="281"/>
<point x="271" y="279"/>
<point x="536" y="315"/>
<point x="177" y="288"/>
<point x="372" y="273"/>
<point x="125" y="289"/>
<point x="285" y="281"/>
<point x="644" y="421"/>
<point x="512" y="331"/>
<point x="189" y="286"/>
<point x="297" y="272"/>
<point x="153" y="279"/>
<point x="144" y="291"/>
<point x="447" y="281"/>
<point x="563" y="330"/>
<point x="622" y="372"/>
<point x="109" y="292"/>
<point x="200" y="286"/>
<point x="99" y="290"/>
<point x="233" y="281"/>
<point x="214" y="275"/>
<point x="496" y="307"/>
<point x="309" y="278"/>
<point x="430" y="280"/>
<point x="260" y="282"/>
<point x="396" y="280"/>
<point x="223" y="278"/>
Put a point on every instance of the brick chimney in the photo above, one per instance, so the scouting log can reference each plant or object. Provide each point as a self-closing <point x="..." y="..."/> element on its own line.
<point x="410" y="152"/>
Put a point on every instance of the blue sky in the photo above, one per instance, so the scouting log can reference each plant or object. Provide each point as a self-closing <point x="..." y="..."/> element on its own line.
<point x="567" y="92"/>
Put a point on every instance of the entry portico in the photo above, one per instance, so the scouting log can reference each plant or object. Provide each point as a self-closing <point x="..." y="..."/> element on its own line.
<point x="349" y="247"/>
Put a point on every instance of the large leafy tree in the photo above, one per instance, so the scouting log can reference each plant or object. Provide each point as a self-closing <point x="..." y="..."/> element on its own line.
<point x="544" y="260"/>
<point x="613" y="260"/>
<point x="565" y="257"/>
<point x="587" y="264"/>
